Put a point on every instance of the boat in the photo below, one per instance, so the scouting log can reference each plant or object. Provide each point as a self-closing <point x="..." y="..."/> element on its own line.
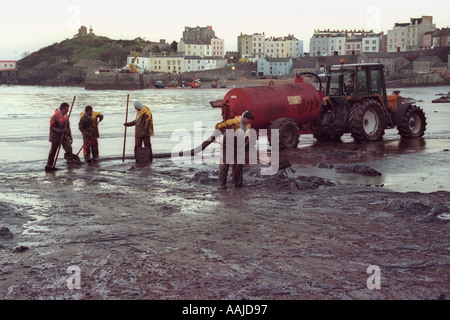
<point x="195" y="83"/>
<point x="159" y="84"/>
<point x="172" y="84"/>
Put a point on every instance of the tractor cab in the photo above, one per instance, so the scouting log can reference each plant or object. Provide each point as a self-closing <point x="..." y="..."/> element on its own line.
<point x="353" y="82"/>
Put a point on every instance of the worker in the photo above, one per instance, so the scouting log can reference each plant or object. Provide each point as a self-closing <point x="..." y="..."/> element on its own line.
<point x="143" y="129"/>
<point x="60" y="134"/>
<point x="351" y="84"/>
<point x="88" y="126"/>
<point x="242" y="124"/>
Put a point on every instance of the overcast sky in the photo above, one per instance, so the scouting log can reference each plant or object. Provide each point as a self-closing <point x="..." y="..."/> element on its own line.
<point x="31" y="25"/>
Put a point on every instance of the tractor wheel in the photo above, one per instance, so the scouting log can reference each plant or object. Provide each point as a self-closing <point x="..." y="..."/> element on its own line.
<point x="288" y="133"/>
<point x="413" y="124"/>
<point x="367" y="121"/>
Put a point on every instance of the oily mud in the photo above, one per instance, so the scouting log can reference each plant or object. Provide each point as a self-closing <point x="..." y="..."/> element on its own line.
<point x="167" y="232"/>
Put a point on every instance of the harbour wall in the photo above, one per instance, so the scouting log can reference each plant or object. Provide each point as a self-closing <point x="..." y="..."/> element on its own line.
<point x="124" y="81"/>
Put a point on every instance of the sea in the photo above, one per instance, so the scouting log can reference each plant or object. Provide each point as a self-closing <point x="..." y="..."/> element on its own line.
<point x="25" y="112"/>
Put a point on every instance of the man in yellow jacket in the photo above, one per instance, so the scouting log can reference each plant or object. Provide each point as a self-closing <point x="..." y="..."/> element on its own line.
<point x="241" y="124"/>
<point x="143" y="129"/>
<point x="88" y="125"/>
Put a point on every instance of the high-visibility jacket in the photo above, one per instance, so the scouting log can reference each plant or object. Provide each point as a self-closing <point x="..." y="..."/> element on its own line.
<point x="234" y="124"/>
<point x="88" y="125"/>
<point x="57" y="124"/>
<point x="143" y="123"/>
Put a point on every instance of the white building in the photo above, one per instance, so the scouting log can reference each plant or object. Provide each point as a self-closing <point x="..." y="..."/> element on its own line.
<point x="217" y="47"/>
<point x="195" y="48"/>
<point x="407" y="36"/>
<point x="336" y="44"/>
<point x="197" y="63"/>
<point x="251" y="46"/>
<point x="283" y="47"/>
<point x="142" y="61"/>
<point x="163" y="63"/>
<point x="7" y="65"/>
<point x="372" y="43"/>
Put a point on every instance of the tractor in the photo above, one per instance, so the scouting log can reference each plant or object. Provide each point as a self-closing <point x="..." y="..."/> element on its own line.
<point x="356" y="102"/>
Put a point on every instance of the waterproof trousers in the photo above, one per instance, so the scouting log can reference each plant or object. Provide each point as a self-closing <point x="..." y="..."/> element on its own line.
<point x="90" y="146"/>
<point x="67" y="146"/>
<point x="236" y="170"/>
<point x="138" y="141"/>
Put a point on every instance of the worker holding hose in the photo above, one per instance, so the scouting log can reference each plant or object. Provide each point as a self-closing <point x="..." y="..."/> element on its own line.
<point x="239" y="126"/>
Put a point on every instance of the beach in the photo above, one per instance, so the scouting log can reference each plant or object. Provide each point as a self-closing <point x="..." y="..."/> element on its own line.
<point x="316" y="230"/>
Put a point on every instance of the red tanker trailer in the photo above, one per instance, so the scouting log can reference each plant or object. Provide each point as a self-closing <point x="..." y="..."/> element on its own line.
<point x="291" y="108"/>
<point x="355" y="102"/>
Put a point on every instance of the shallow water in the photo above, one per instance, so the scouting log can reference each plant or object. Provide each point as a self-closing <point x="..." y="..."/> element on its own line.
<point x="421" y="165"/>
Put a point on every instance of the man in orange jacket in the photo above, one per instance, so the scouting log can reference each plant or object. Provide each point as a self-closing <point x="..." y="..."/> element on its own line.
<point x="60" y="129"/>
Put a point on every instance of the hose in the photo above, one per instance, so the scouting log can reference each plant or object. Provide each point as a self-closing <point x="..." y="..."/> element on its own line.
<point x="191" y="152"/>
<point x="316" y="76"/>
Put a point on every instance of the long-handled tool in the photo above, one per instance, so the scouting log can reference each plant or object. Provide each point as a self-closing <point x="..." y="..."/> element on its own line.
<point x="87" y="139"/>
<point x="64" y="133"/>
<point x="125" y="135"/>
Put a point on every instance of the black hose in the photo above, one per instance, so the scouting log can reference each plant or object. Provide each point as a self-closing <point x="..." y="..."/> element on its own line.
<point x="316" y="76"/>
<point x="191" y="152"/>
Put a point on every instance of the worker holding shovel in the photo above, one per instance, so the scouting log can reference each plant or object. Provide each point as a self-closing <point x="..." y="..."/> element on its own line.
<point x="60" y="135"/>
<point x="88" y="125"/>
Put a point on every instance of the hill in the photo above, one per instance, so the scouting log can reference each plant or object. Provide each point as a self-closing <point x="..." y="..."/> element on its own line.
<point x="65" y="63"/>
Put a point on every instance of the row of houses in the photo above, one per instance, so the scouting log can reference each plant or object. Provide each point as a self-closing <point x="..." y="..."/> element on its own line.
<point x="344" y="42"/>
<point x="417" y="34"/>
<point x="395" y="64"/>
<point x="175" y="63"/>
<point x="255" y="46"/>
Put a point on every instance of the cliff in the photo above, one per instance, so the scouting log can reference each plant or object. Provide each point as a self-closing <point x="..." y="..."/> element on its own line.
<point x="67" y="62"/>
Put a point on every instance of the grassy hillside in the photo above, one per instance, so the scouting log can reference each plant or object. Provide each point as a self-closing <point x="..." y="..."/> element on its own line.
<point x="70" y="51"/>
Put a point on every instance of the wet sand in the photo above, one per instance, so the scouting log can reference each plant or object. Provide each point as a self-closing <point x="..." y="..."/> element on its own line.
<point x="166" y="232"/>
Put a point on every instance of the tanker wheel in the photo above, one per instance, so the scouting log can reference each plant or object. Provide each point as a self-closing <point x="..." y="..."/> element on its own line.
<point x="413" y="124"/>
<point x="367" y="121"/>
<point x="289" y="136"/>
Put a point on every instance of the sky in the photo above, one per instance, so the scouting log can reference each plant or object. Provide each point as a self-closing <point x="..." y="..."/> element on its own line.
<point x="27" y="26"/>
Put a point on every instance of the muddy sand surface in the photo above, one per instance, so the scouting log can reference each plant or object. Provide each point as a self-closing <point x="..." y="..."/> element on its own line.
<point x="166" y="232"/>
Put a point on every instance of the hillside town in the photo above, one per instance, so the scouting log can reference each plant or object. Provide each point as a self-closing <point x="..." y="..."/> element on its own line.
<point x="409" y="49"/>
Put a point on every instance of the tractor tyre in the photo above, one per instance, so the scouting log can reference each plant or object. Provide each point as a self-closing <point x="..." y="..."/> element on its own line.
<point x="288" y="133"/>
<point x="367" y="121"/>
<point x="413" y="124"/>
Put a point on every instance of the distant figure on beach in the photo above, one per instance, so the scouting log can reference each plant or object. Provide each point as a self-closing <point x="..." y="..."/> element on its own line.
<point x="88" y="126"/>
<point x="241" y="123"/>
<point x="143" y="131"/>
<point x="60" y="129"/>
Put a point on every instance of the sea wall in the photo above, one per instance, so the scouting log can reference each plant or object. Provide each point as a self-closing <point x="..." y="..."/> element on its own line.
<point x="123" y="81"/>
